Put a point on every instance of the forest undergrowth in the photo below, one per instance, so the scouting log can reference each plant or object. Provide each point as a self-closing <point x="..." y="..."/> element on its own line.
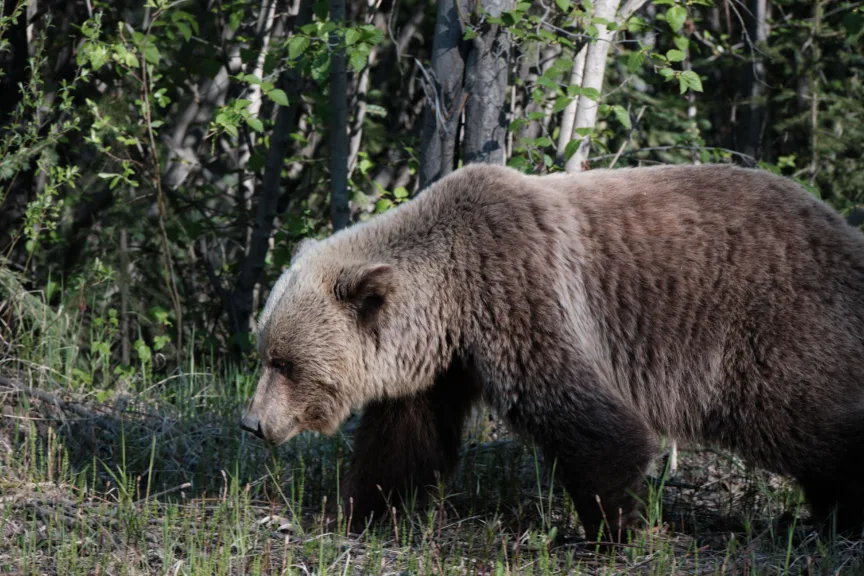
<point x="144" y="470"/>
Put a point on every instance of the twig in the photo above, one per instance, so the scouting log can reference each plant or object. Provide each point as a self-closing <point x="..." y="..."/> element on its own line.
<point x="47" y="398"/>
<point x="160" y="199"/>
<point x="664" y="148"/>
<point x="163" y="493"/>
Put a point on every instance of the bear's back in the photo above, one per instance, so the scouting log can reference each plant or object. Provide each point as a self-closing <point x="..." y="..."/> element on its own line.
<point x="692" y="282"/>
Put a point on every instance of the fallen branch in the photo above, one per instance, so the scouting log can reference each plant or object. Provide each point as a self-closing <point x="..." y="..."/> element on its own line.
<point x="47" y="398"/>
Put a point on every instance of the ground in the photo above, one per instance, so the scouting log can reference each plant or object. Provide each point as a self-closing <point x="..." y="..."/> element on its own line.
<point x="160" y="480"/>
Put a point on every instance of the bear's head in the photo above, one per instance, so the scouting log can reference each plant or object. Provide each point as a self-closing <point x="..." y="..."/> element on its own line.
<point x="317" y="336"/>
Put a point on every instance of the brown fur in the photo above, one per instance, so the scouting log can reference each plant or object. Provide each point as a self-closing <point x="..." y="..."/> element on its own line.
<point x="594" y="312"/>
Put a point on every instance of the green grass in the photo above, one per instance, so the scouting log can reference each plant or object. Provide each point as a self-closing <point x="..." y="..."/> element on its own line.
<point x="145" y="471"/>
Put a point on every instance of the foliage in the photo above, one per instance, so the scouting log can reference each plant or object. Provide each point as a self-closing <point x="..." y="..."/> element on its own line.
<point x="134" y="171"/>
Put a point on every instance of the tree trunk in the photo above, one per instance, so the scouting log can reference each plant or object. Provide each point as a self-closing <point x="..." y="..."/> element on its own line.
<point x="248" y="179"/>
<point x="568" y="116"/>
<point x="595" y="71"/>
<point x="814" y="90"/>
<point x="486" y="87"/>
<point x="752" y="117"/>
<point x="444" y="94"/>
<point x="339" y="211"/>
<point x="240" y="301"/>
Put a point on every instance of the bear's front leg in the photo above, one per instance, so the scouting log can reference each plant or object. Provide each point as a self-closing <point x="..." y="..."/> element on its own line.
<point x="404" y="445"/>
<point x="601" y="448"/>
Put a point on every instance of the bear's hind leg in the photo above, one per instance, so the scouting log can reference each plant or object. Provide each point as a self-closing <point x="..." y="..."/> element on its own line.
<point x="837" y="503"/>
<point x="404" y="445"/>
<point x="834" y="484"/>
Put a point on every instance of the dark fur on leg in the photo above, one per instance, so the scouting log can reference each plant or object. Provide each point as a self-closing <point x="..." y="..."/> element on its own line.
<point x="404" y="445"/>
<point x="834" y="484"/>
<point x="602" y="449"/>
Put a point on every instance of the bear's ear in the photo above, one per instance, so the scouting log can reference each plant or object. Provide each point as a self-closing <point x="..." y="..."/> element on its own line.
<point x="365" y="288"/>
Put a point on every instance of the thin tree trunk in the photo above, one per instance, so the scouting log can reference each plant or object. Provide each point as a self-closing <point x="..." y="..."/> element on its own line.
<point x="125" y="281"/>
<point x="753" y="118"/>
<point x="241" y="298"/>
<point x="339" y="211"/>
<point x="444" y="94"/>
<point x="694" y="129"/>
<point x="595" y="72"/>
<point x="814" y="91"/>
<point x="568" y="116"/>
<point x="486" y="87"/>
<point x="360" y="112"/>
<point x="248" y="179"/>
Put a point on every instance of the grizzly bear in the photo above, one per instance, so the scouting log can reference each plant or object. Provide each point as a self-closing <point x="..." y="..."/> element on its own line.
<point x="594" y="312"/>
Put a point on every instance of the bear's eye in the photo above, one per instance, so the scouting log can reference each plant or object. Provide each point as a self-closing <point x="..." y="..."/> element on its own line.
<point x="283" y="366"/>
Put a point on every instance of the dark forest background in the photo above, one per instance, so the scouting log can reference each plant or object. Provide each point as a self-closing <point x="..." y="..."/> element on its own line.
<point x="159" y="160"/>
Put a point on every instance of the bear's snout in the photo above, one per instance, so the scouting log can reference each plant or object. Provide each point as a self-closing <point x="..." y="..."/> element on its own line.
<point x="252" y="424"/>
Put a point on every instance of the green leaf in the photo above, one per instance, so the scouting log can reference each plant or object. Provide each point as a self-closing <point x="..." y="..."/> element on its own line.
<point x="548" y="83"/>
<point x="278" y="96"/>
<point x="321" y="67"/>
<point x="562" y="65"/>
<point x="544" y="141"/>
<point x="255" y="124"/>
<point x="564" y="5"/>
<point x="635" y="61"/>
<point x="591" y="93"/>
<point x="372" y="35"/>
<point x="297" y="45"/>
<point x="352" y="36"/>
<point x="151" y="54"/>
<point x="676" y="16"/>
<point x="516" y="124"/>
<point x="667" y="73"/>
<point x="358" y="60"/>
<point x="160" y="341"/>
<point x="251" y="79"/>
<point x="622" y="115"/>
<point x="584" y="131"/>
<point x="376" y="110"/>
<point x="571" y="148"/>
<point x="675" y="55"/>
<point x="184" y="30"/>
<point x="561" y="103"/>
<point x="400" y="193"/>
<point x="690" y="79"/>
<point x="230" y="129"/>
<point x="682" y="43"/>
<point x="382" y="205"/>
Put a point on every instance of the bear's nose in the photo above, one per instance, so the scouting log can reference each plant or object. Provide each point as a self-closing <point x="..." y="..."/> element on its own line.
<point x="252" y="424"/>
